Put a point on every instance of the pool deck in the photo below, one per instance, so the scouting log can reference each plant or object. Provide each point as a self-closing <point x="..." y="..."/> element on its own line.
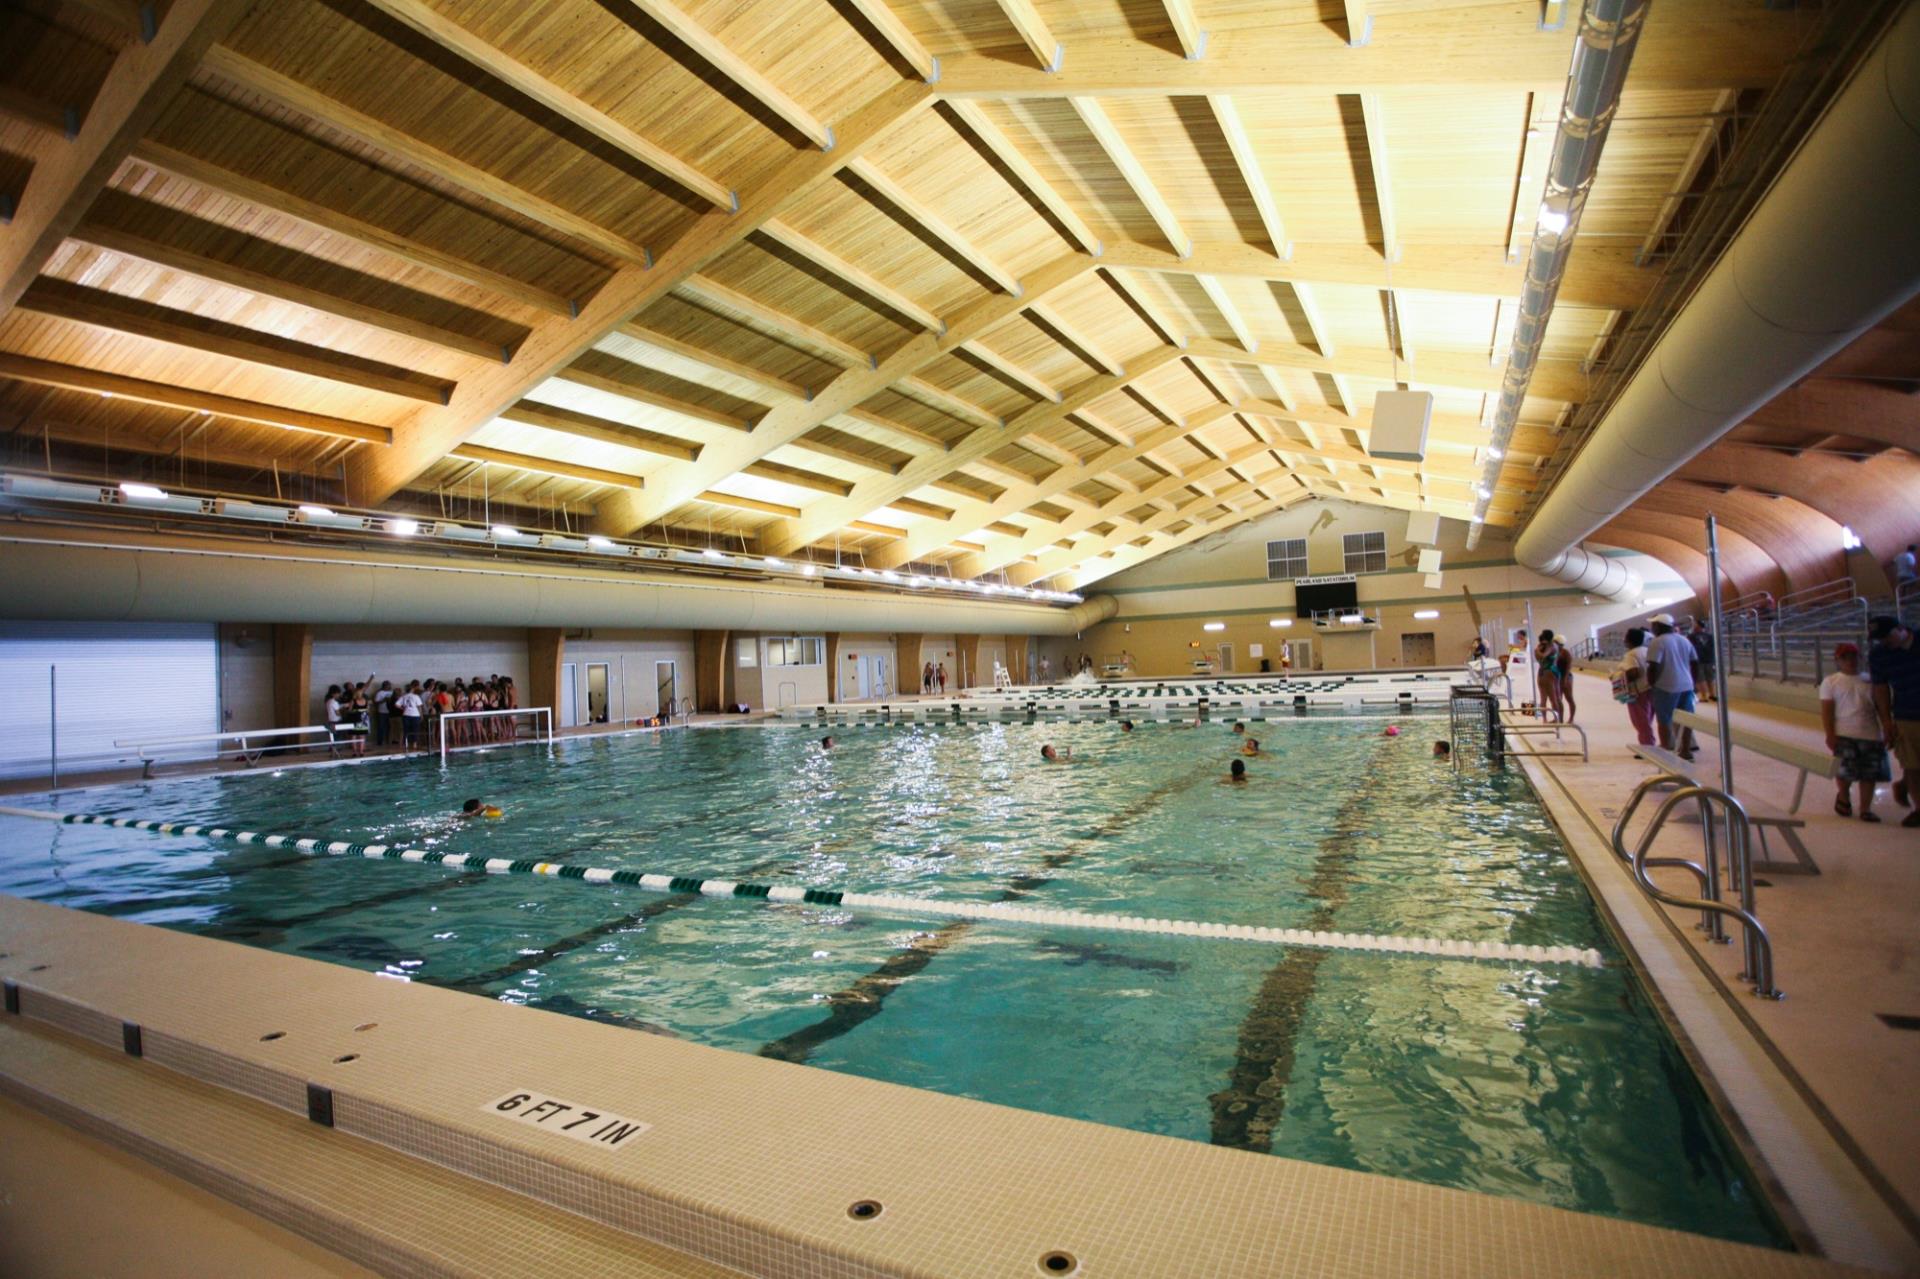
<point x="383" y="1119"/>
<point x="1845" y="951"/>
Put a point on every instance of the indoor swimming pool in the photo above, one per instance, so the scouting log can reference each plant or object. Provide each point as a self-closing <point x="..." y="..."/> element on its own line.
<point x="1553" y="1083"/>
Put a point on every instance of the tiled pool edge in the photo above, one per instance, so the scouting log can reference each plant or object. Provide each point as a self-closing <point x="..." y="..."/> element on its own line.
<point x="969" y="1188"/>
<point x="1791" y="1142"/>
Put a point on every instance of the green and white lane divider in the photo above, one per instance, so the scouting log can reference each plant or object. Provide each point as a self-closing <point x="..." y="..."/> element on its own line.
<point x="885" y="903"/>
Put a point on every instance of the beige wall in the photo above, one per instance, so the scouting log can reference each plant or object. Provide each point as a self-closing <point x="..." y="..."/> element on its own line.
<point x="632" y="687"/>
<point x="1165" y="603"/>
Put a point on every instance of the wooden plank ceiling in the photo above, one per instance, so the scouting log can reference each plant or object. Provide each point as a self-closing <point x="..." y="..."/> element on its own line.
<point x="1036" y="288"/>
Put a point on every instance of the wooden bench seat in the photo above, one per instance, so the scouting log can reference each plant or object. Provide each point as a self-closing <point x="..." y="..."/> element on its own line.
<point x="1805" y="758"/>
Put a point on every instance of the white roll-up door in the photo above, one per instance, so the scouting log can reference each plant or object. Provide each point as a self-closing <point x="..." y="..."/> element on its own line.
<point x="125" y="681"/>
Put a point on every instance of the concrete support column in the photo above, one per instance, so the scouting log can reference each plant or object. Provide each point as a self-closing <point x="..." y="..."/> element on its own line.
<point x="292" y="675"/>
<point x="709" y="669"/>
<point x="546" y="648"/>
<point x="906" y="663"/>
<point x="833" y="666"/>
<point x="1017" y="658"/>
<point x="968" y="649"/>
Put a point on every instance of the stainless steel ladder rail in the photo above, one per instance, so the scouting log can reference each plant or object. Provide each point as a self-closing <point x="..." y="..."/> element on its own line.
<point x="1756" y="945"/>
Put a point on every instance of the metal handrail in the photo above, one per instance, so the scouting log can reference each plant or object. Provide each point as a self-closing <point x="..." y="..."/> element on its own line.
<point x="1524" y="730"/>
<point x="1836" y="591"/>
<point x="1757" y="946"/>
<point x="1752" y="601"/>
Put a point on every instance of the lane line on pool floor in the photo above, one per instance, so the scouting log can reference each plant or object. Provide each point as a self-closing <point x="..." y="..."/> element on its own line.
<point x="883" y="903"/>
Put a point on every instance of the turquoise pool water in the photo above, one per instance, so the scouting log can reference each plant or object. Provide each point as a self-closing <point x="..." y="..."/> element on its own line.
<point x="1550" y="1083"/>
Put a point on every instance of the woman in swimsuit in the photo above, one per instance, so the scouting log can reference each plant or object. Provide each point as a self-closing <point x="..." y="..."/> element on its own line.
<point x="1547" y="657"/>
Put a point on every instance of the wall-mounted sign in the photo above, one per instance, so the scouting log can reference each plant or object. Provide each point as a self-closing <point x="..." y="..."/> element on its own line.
<point x="1325" y="579"/>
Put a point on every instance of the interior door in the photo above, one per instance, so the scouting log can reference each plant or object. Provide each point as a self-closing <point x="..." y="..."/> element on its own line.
<point x="666" y="683"/>
<point x="1226" y="659"/>
<point x="569" y="694"/>
<point x="1300" y="653"/>
<point x="598" y="710"/>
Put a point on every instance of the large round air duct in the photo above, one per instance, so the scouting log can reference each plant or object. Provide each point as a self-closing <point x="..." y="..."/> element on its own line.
<point x="1829" y="252"/>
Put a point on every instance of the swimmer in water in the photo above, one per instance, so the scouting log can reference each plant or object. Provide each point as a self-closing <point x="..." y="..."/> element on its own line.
<point x="1239" y="728"/>
<point x="826" y="743"/>
<point x="1126" y="726"/>
<point x="1252" y="747"/>
<point x="1053" y="756"/>
<point x="1443" y="750"/>
<point x="478" y="808"/>
<point x="1238" y="772"/>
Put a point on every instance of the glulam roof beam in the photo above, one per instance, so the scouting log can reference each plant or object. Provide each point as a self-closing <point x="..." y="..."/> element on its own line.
<point x="823" y="517"/>
<point x="1075" y="340"/>
<point x="296" y="95"/>
<point x="547" y="466"/>
<point x="714" y="360"/>
<point x="563" y="102"/>
<point x="1217" y="294"/>
<point x="1067" y="559"/>
<point x="1359" y="22"/>
<point x="1033" y="29"/>
<point x="787" y="422"/>
<point x="67" y="175"/>
<point x="737" y="69"/>
<point x="903" y="42"/>
<point x="603" y="430"/>
<point x="553" y="345"/>
<point x="1506" y="50"/>
<point x="69" y="377"/>
<point x="99" y="309"/>
<point x="859" y="277"/>
<point x="51" y="118"/>
<point x="1186" y="28"/>
<point x="619" y="377"/>
<point x="792" y="329"/>
<point x="1246" y="159"/>
<point x="394" y="244"/>
<point x="935" y="225"/>
<point x="188" y="262"/>
<point x="1100" y="124"/>
<point x="995" y="140"/>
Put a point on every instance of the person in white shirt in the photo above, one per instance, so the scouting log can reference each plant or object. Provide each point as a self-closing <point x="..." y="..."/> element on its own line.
<point x="412" y="708"/>
<point x="1853" y="733"/>
<point x="1906" y="567"/>
<point x="1670" y="662"/>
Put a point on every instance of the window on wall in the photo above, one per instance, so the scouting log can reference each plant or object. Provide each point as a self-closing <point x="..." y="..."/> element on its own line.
<point x="1286" y="559"/>
<point x="797" y="650"/>
<point x="749" y="650"/>
<point x="1366" y="552"/>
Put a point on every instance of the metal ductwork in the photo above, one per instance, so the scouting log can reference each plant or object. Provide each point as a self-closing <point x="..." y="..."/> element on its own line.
<point x="1589" y="571"/>
<point x="1828" y="252"/>
<point x="1603" y="50"/>
<point x="75" y="577"/>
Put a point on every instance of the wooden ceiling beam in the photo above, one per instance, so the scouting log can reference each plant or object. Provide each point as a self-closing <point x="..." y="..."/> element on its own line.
<point x="1134" y="295"/>
<point x="619" y="377"/>
<point x="1085" y="347"/>
<point x="990" y="135"/>
<point x="738" y="69"/>
<point x="793" y="330"/>
<point x="1359" y="22"/>
<point x="900" y="430"/>
<point x="1089" y="571"/>
<point x="1124" y="534"/>
<point x="553" y="345"/>
<point x="1033" y="29"/>
<point x="563" y="102"/>
<point x="786" y="423"/>
<point x="1374" y="116"/>
<point x="188" y="262"/>
<point x="825" y="448"/>
<point x="53" y="119"/>
<point x="23" y="368"/>
<point x="66" y="176"/>
<point x="1246" y="159"/>
<point x="1186" y="28"/>
<point x="1501" y="50"/>
<point x="605" y="430"/>
<point x="1217" y="294"/>
<point x="1553" y="380"/>
<point x="1095" y="117"/>
<point x="920" y="212"/>
<point x="99" y="309"/>
<point x="295" y="95"/>
<point x="947" y="402"/>
<point x="799" y="478"/>
<point x="1596" y="276"/>
<point x="711" y="359"/>
<point x="859" y="277"/>
<point x="870" y="495"/>
<point x="1012" y="371"/>
<point x="894" y="32"/>
<point x="205" y="173"/>
<point x="739" y="503"/>
<point x="546" y="466"/>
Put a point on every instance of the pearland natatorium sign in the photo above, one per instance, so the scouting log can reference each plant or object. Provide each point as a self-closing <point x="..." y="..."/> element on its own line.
<point x="1325" y="579"/>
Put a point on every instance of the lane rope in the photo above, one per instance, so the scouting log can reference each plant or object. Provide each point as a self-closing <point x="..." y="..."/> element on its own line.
<point x="887" y="903"/>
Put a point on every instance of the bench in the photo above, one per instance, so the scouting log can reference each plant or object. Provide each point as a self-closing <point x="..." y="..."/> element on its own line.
<point x="1805" y="758"/>
<point x="248" y="738"/>
<point x="1760" y="815"/>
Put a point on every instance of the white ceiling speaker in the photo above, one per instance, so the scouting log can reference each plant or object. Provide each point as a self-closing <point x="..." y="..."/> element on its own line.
<point x="1429" y="561"/>
<point x="1432" y="581"/>
<point x="1400" y="420"/>
<point x="1423" y="527"/>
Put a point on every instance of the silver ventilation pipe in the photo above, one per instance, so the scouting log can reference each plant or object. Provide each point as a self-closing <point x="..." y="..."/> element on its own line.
<point x="1602" y="51"/>
<point x="1827" y="253"/>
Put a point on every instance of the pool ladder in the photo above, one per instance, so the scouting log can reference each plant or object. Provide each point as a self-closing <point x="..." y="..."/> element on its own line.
<point x="1713" y="912"/>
